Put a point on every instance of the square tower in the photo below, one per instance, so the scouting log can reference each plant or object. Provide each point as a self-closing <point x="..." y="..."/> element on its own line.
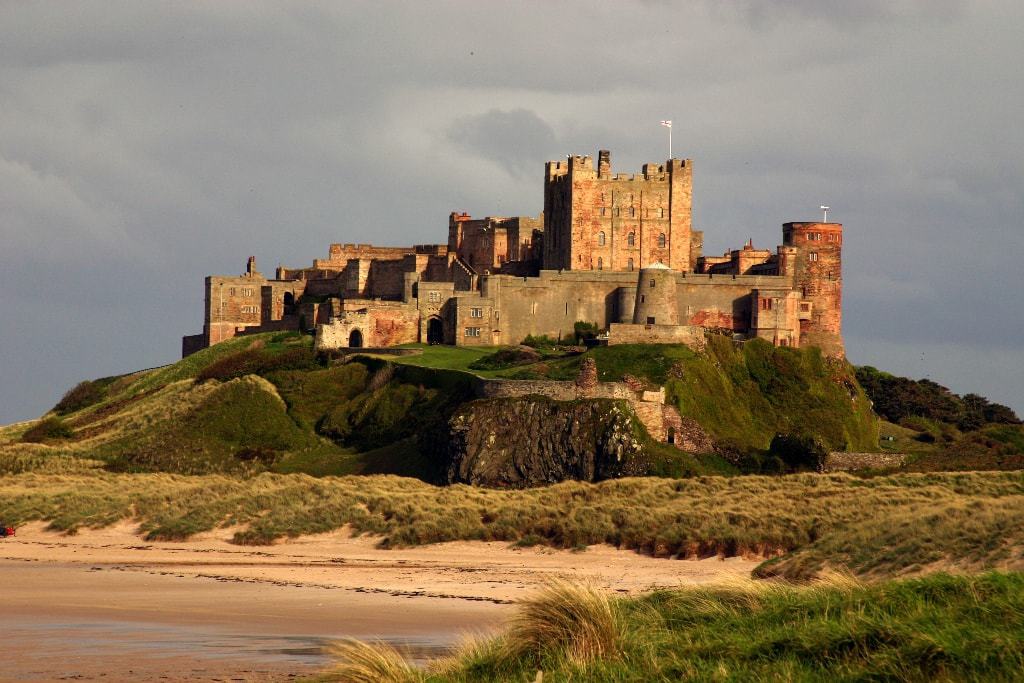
<point x="597" y="220"/>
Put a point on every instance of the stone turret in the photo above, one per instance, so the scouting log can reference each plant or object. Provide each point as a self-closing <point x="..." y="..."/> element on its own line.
<point x="656" y="296"/>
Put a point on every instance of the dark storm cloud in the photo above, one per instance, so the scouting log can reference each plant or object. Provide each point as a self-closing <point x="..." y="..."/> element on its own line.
<point x="514" y="139"/>
<point x="145" y="145"/>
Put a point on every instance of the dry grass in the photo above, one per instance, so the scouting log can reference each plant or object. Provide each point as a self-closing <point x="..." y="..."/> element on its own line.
<point x="374" y="662"/>
<point x="907" y="523"/>
<point x="577" y="619"/>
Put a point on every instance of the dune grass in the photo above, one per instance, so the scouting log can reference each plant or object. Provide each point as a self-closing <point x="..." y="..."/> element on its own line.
<point x="807" y="523"/>
<point x="938" y="628"/>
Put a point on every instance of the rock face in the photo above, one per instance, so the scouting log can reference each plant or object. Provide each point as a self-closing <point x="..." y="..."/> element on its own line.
<point x="532" y="441"/>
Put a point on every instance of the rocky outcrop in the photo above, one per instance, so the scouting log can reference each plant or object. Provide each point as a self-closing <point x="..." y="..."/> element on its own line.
<point x="519" y="442"/>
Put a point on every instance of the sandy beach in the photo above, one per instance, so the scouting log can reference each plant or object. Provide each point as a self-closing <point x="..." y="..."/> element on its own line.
<point x="107" y="605"/>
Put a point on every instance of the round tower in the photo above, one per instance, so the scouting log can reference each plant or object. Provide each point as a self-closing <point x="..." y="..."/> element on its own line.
<point x="656" y="296"/>
<point x="625" y="304"/>
<point x="817" y="270"/>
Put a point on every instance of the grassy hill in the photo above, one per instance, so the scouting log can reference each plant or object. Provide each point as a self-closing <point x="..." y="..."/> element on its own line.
<point x="269" y="403"/>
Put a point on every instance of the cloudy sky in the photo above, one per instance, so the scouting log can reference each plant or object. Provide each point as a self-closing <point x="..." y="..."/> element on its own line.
<point x="146" y="145"/>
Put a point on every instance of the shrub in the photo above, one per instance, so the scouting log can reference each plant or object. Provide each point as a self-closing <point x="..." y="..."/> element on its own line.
<point x="797" y="453"/>
<point x="83" y="395"/>
<point x="584" y="330"/>
<point x="541" y="341"/>
<point x="896" y="398"/>
<point x="257" y="361"/>
<point x="506" y="358"/>
<point x="46" y="430"/>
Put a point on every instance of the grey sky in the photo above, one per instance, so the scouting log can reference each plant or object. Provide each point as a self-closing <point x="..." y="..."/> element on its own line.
<point x="146" y="145"/>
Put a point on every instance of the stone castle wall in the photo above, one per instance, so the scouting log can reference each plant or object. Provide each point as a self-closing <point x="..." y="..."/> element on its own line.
<point x="841" y="461"/>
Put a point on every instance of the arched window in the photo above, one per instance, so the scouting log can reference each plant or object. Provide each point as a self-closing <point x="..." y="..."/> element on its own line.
<point x="629" y="264"/>
<point x="600" y="238"/>
<point x="661" y="241"/>
<point x="631" y="239"/>
<point x="600" y="261"/>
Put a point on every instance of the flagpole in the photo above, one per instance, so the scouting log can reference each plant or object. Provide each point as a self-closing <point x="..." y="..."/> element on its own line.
<point x="668" y="124"/>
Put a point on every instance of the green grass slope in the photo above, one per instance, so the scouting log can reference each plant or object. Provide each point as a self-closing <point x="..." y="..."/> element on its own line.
<point x="743" y="395"/>
<point x="940" y="628"/>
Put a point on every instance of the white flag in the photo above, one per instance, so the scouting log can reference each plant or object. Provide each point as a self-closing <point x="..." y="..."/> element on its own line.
<point x="667" y="124"/>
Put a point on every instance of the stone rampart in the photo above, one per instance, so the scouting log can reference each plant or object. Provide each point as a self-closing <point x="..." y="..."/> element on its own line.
<point x="842" y="461"/>
<point x="553" y="389"/>
<point x="691" y="335"/>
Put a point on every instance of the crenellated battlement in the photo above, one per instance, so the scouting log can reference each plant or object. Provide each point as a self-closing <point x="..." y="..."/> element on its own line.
<point x="609" y="248"/>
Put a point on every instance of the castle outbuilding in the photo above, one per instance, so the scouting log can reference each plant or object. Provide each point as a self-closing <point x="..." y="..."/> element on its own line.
<point x="614" y="250"/>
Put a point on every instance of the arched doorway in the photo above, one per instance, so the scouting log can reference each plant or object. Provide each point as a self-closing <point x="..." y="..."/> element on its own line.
<point x="289" y="303"/>
<point x="671" y="435"/>
<point x="355" y="340"/>
<point x="435" y="331"/>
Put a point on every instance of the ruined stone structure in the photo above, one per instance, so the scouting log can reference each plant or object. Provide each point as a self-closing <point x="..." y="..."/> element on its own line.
<point x="615" y="250"/>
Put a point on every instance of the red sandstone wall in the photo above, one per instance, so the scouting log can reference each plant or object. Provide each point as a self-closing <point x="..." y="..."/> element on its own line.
<point x="591" y="215"/>
<point x="817" y="272"/>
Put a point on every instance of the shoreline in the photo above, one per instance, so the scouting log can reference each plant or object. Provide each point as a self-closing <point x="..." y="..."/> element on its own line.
<point x="116" y="606"/>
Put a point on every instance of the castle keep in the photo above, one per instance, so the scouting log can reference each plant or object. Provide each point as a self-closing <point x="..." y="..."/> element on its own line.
<point x="615" y="250"/>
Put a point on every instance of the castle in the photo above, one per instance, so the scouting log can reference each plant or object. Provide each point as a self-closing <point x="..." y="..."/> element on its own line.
<point x="614" y="250"/>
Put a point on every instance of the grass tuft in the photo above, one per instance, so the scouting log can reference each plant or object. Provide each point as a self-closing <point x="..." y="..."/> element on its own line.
<point x="578" y="621"/>
<point x="377" y="662"/>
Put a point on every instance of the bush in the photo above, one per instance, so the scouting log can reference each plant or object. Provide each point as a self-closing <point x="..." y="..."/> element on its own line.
<point x="541" y="341"/>
<point x="797" y="453"/>
<point x="258" y="362"/>
<point x="48" y="429"/>
<point x="506" y="358"/>
<point x="584" y="330"/>
<point x="83" y="395"/>
<point x="897" y="398"/>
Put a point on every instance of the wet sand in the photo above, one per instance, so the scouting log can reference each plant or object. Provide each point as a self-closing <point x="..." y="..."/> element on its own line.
<point x="108" y="605"/>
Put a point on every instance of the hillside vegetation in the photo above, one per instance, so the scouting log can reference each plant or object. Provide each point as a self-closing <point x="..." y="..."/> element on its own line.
<point x="940" y="628"/>
<point x="269" y="403"/>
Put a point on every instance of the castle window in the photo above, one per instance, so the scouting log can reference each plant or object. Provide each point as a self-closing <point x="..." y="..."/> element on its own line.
<point x="631" y="239"/>
<point x="642" y="298"/>
<point x="231" y="292"/>
<point x="812" y="257"/>
<point x="600" y="238"/>
<point x="652" y="284"/>
<point x="629" y="264"/>
<point x="472" y="331"/>
<point x="600" y="262"/>
<point x="632" y="211"/>
<point x="476" y="313"/>
<point x="662" y="241"/>
<point x="661" y="212"/>
<point x="603" y="210"/>
<point x="650" y="320"/>
<point x="434" y="296"/>
<point x="766" y="304"/>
